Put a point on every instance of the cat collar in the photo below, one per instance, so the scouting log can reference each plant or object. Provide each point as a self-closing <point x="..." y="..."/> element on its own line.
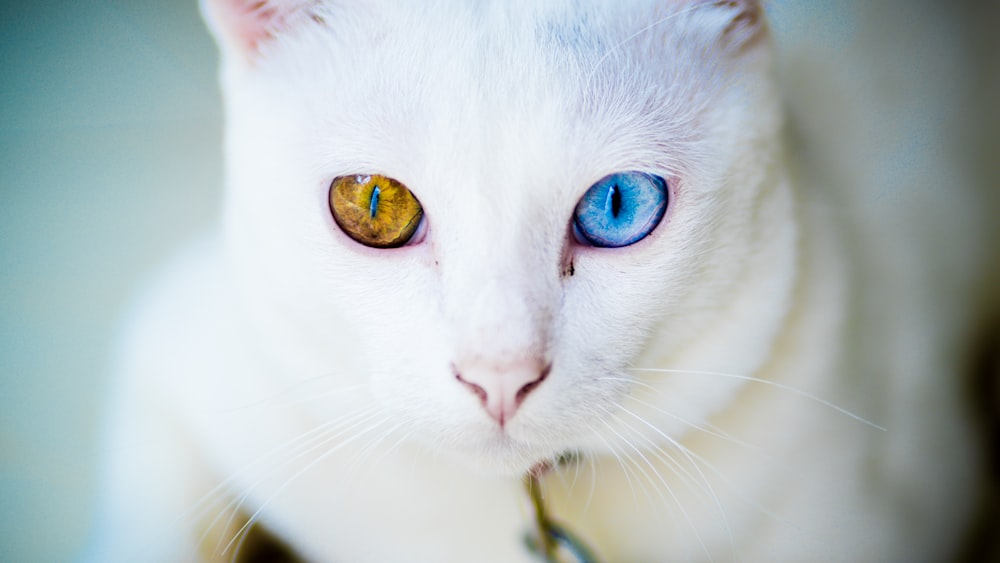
<point x="549" y="541"/>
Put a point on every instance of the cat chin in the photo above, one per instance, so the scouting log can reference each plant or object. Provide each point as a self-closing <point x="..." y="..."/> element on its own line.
<point x="503" y="457"/>
<point x="505" y="466"/>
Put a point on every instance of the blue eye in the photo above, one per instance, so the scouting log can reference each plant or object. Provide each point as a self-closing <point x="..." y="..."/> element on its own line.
<point x="620" y="209"/>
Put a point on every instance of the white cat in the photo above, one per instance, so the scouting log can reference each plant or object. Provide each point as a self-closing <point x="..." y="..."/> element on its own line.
<point x="465" y="242"/>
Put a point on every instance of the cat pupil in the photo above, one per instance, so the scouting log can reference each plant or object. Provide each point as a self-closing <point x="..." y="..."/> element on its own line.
<point x="614" y="200"/>
<point x="373" y="206"/>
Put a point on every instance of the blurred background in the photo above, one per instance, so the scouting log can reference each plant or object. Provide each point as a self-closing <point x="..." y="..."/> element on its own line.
<point x="110" y="145"/>
<point x="110" y="149"/>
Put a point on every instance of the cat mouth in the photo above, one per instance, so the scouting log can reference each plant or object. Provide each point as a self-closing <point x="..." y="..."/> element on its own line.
<point x="506" y="455"/>
<point x="534" y="464"/>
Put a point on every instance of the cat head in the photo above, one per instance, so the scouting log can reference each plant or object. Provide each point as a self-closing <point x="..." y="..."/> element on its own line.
<point x="565" y="191"/>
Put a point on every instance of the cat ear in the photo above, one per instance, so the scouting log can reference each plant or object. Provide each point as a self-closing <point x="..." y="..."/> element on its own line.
<point x="738" y="24"/>
<point x="241" y="27"/>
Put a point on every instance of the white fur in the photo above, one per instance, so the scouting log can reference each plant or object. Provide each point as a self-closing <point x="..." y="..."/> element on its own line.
<point x="499" y="117"/>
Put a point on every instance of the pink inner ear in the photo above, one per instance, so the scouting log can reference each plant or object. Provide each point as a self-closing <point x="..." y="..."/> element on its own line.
<point x="248" y="22"/>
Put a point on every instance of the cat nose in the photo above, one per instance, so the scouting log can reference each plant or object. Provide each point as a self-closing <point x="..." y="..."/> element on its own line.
<point x="502" y="389"/>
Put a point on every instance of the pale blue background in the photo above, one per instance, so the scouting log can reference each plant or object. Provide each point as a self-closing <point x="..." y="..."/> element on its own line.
<point x="109" y="157"/>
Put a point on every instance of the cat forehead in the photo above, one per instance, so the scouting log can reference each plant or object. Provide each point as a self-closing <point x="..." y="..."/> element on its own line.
<point x="497" y="90"/>
<point x="503" y="55"/>
<point x="500" y="97"/>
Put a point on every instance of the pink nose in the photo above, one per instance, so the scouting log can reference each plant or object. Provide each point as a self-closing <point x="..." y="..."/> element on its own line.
<point x="502" y="389"/>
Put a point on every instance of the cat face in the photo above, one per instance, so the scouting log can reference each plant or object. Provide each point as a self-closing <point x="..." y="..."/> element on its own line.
<point x="498" y="332"/>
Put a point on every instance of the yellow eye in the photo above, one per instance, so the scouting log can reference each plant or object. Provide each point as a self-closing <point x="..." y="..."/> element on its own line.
<point x="375" y="210"/>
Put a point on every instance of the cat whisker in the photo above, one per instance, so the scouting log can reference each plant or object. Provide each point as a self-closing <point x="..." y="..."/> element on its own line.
<point x="402" y="439"/>
<point x="698" y="461"/>
<point x="317" y="396"/>
<point x="301" y="471"/>
<point x="209" y="499"/>
<point x="593" y="474"/>
<point x="576" y="463"/>
<point x="729" y="485"/>
<point x="735" y="492"/>
<point x="618" y="458"/>
<point x="710" y="430"/>
<point x="630" y="457"/>
<point x="361" y="455"/>
<point x="576" y="473"/>
<point x="705" y="486"/>
<point x="775" y="384"/>
<point x="272" y="400"/>
<point x="676" y="501"/>
<point x="637" y="452"/>
<point x="295" y="450"/>
<point x="677" y="468"/>
<point x="593" y="483"/>
<point x="706" y="428"/>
